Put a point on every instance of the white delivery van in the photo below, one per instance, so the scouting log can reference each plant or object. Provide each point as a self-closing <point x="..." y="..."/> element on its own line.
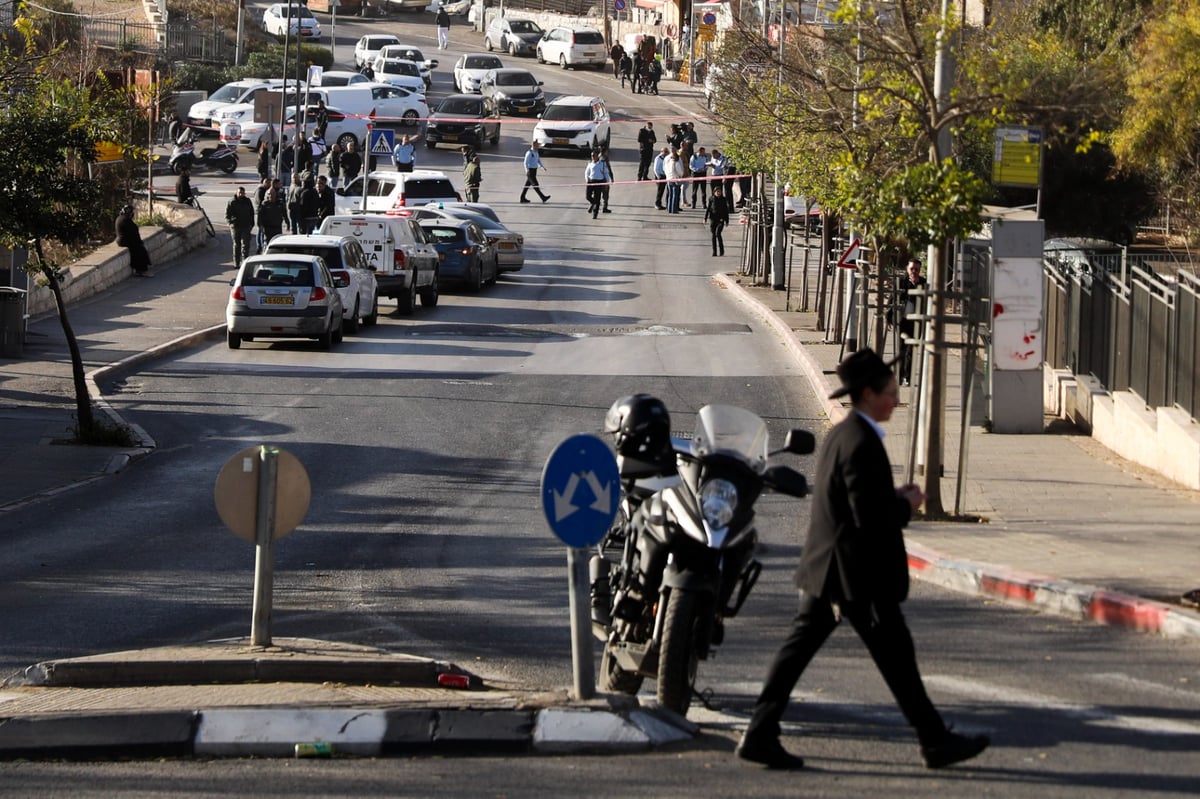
<point x="354" y="100"/>
<point x="404" y="260"/>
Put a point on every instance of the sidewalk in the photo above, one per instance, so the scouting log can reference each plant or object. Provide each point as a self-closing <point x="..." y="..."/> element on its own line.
<point x="1065" y="529"/>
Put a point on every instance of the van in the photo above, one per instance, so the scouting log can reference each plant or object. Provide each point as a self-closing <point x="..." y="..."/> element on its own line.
<point x="404" y="259"/>
<point x="356" y="100"/>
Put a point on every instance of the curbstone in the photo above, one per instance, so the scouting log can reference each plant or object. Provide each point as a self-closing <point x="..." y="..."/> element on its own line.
<point x="162" y="732"/>
<point x="568" y="730"/>
<point x="275" y="732"/>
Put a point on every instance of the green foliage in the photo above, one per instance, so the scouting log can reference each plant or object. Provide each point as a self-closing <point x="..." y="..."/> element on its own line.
<point x="1091" y="27"/>
<point x="53" y="29"/>
<point x="269" y="60"/>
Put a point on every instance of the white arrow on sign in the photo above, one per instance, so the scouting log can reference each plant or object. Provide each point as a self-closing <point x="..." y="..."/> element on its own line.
<point x="563" y="507"/>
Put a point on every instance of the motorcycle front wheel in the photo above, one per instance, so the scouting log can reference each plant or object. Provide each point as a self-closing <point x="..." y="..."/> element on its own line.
<point x="615" y="679"/>
<point x="677" y="660"/>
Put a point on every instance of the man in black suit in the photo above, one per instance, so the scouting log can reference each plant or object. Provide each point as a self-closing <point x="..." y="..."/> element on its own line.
<point x="854" y="566"/>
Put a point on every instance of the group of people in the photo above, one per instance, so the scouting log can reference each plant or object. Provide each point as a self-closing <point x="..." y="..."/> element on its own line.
<point x="300" y="209"/>
<point x="310" y="154"/>
<point x="641" y="68"/>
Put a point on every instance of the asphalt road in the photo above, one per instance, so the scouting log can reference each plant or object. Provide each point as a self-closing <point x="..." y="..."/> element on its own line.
<point x="424" y="438"/>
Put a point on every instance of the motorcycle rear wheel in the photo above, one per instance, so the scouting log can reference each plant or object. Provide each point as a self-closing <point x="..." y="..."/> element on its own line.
<point x="613" y="678"/>
<point x="677" y="660"/>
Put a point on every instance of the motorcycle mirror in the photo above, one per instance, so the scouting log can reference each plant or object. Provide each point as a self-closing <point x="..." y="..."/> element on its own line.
<point x="786" y="480"/>
<point x="799" y="442"/>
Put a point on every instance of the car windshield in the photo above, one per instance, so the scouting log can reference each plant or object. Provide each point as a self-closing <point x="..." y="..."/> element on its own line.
<point x="332" y="255"/>
<point x="588" y="37"/>
<point x="524" y="26"/>
<point x="227" y="93"/>
<point x="433" y="187"/>
<point x="461" y="105"/>
<point x="572" y="113"/>
<point x="302" y="12"/>
<point x="446" y="235"/>
<point x="278" y="273"/>
<point x="482" y="62"/>
<point x="515" y="79"/>
<point x="401" y="68"/>
<point x="471" y="216"/>
<point x="379" y="44"/>
<point x="412" y="55"/>
<point x="334" y="80"/>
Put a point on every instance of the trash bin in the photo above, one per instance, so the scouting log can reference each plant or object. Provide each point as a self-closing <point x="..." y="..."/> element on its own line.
<point x="12" y="321"/>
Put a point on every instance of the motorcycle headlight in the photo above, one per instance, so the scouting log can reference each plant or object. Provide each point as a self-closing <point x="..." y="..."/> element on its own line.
<point x="718" y="500"/>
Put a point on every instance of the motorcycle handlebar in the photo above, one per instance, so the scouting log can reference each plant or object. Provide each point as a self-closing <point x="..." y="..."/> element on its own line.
<point x="786" y="480"/>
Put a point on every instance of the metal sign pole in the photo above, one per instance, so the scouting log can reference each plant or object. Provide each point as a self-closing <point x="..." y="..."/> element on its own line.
<point x="581" y="623"/>
<point x="264" y="528"/>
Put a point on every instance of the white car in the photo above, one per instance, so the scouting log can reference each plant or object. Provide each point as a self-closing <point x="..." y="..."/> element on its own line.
<point x="572" y="47"/>
<point x="204" y="113"/>
<point x="396" y="104"/>
<point x="343" y="128"/>
<point x="398" y="72"/>
<point x="282" y="19"/>
<point x="352" y="274"/>
<point x="470" y="69"/>
<point x="283" y="296"/>
<point x="574" y="122"/>
<point x="341" y="77"/>
<point x="409" y="52"/>
<point x="394" y="192"/>
<point x="366" y="48"/>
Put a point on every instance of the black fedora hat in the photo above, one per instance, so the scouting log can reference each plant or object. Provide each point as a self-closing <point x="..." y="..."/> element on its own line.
<point x="860" y="369"/>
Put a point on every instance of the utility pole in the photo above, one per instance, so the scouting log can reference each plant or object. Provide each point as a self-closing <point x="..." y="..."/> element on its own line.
<point x="778" y="231"/>
<point x="933" y="381"/>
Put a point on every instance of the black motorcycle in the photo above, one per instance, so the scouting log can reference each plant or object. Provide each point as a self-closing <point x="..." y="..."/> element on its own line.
<point x="679" y="560"/>
<point x="183" y="154"/>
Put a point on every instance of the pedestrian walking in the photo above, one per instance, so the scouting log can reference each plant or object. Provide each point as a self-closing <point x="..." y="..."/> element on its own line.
<point x="264" y="161"/>
<point x="287" y="161"/>
<point x="239" y="214"/>
<point x="854" y="567"/>
<point x="906" y="304"/>
<point x="636" y="74"/>
<point x="595" y="174"/>
<point x="302" y="154"/>
<point x="616" y="53"/>
<point x="472" y="178"/>
<point x="404" y="154"/>
<point x="673" y="168"/>
<point x="320" y="120"/>
<point x="130" y="237"/>
<point x="716" y="214"/>
<point x="653" y="76"/>
<point x="260" y="196"/>
<point x="698" y="164"/>
<point x="612" y="178"/>
<point x="442" y="20"/>
<point x="326" y="205"/>
<point x="310" y="206"/>
<point x="295" y="207"/>
<point x="646" y="140"/>
<point x="718" y="166"/>
<point x="335" y="164"/>
<point x="626" y="69"/>
<point x="351" y="162"/>
<point x="272" y="215"/>
<point x="533" y="162"/>
<point x="658" y="167"/>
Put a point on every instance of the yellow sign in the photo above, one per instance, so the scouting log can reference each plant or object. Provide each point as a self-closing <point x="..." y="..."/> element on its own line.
<point x="107" y="152"/>
<point x="1017" y="157"/>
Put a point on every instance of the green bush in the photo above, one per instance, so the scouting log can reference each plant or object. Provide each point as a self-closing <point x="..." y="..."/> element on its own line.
<point x="269" y="61"/>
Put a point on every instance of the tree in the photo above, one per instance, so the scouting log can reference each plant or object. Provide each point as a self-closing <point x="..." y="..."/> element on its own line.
<point x="50" y="128"/>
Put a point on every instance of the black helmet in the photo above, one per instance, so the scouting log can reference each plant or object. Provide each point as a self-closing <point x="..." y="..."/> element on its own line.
<point x="641" y="428"/>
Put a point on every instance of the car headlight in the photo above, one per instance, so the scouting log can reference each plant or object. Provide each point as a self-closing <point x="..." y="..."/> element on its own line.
<point x="501" y="96"/>
<point x="718" y="501"/>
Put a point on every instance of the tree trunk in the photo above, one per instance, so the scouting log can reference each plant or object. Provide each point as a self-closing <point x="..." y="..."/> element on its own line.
<point x="933" y="380"/>
<point x="83" y="401"/>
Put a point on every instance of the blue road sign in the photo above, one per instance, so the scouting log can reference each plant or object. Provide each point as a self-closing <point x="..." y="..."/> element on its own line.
<point x="580" y="490"/>
<point x="383" y="141"/>
<point x="709" y="18"/>
<point x="619" y="5"/>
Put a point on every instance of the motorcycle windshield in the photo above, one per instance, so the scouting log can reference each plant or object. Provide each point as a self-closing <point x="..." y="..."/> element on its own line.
<point x="728" y="430"/>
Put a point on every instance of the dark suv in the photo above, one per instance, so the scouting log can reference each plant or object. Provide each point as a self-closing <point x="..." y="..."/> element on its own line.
<point x="464" y="119"/>
<point x="515" y="91"/>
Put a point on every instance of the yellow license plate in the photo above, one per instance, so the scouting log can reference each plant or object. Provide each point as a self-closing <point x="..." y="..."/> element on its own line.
<point x="288" y="300"/>
<point x="560" y="141"/>
<point x="452" y="138"/>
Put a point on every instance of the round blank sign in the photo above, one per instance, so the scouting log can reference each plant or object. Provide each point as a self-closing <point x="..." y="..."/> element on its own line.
<point x="236" y="493"/>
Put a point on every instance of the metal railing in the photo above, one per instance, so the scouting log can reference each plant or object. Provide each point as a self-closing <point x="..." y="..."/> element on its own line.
<point x="172" y="42"/>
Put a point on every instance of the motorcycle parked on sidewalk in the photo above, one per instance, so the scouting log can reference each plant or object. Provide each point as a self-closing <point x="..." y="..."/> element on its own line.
<point x="183" y="154"/>
<point x="679" y="559"/>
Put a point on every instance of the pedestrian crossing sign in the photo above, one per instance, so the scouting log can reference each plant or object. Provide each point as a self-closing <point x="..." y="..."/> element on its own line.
<point x="383" y="142"/>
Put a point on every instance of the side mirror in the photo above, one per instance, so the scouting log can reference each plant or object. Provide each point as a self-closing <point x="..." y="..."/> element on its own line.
<point x="799" y="442"/>
<point x="785" y="480"/>
<point x="433" y="63"/>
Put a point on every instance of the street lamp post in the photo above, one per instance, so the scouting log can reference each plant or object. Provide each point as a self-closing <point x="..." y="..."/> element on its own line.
<point x="778" y="232"/>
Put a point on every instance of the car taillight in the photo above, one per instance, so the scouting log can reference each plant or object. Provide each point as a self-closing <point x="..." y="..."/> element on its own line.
<point x="238" y="293"/>
<point x="341" y="274"/>
<point x="398" y="262"/>
<point x="317" y="294"/>
<point x="466" y="250"/>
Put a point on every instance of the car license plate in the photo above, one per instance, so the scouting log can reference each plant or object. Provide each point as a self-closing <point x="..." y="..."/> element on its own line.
<point x="279" y="300"/>
<point x="451" y="137"/>
<point x="589" y="55"/>
<point x="560" y="141"/>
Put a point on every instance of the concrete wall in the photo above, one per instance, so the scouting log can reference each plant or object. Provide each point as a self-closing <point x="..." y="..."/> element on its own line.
<point x="1166" y="440"/>
<point x="109" y="265"/>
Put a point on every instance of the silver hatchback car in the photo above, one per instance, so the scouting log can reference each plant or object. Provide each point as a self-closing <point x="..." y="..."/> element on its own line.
<point x="284" y="296"/>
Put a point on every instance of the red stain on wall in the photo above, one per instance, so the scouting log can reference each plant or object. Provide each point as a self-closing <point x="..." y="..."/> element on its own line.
<point x="997" y="309"/>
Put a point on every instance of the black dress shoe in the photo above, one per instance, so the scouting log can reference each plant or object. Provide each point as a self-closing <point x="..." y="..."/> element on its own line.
<point x="954" y="748"/>
<point x="524" y="200"/>
<point x="770" y="754"/>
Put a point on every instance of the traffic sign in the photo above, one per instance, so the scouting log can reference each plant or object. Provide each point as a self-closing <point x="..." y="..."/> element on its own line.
<point x="383" y="141"/>
<point x="237" y="498"/>
<point x="619" y="5"/>
<point x="850" y="252"/>
<point x="580" y="490"/>
<point x="709" y="18"/>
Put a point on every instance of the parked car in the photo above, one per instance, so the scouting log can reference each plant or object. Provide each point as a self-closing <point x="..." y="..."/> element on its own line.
<point x="366" y="48"/>
<point x="283" y="296"/>
<point x="510" y="245"/>
<point x="343" y="128"/>
<point x="282" y="19"/>
<point x="394" y="192"/>
<point x="463" y="119"/>
<point x="346" y="7"/>
<point x="465" y="255"/>
<point x="396" y="247"/>
<point x="341" y="77"/>
<point x="398" y="72"/>
<point x="347" y="263"/>
<point x="513" y="36"/>
<point x="470" y="69"/>
<point x="515" y="91"/>
<point x="412" y="53"/>
<point x="572" y="47"/>
<point x="396" y="104"/>
<point x="202" y="115"/>
<point x="574" y="122"/>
